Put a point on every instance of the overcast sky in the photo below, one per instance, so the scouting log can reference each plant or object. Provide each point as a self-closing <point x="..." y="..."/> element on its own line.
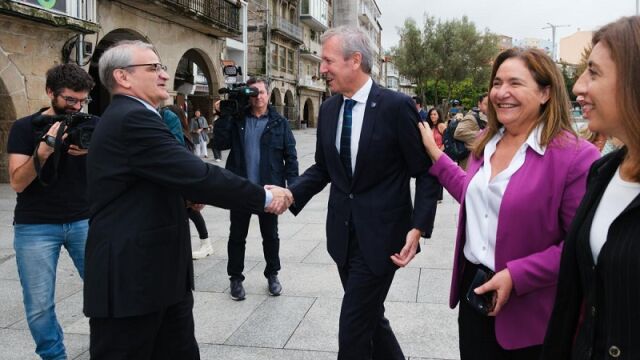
<point x="515" y="18"/>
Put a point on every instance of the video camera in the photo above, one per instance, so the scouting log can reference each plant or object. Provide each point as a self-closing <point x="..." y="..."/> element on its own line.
<point x="77" y="126"/>
<point x="238" y="94"/>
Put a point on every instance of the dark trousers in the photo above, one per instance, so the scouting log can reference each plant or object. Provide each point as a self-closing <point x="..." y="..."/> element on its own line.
<point x="477" y="333"/>
<point x="165" y="334"/>
<point x="238" y="240"/>
<point x="364" y="333"/>
<point x="198" y="221"/>
<point x="216" y="153"/>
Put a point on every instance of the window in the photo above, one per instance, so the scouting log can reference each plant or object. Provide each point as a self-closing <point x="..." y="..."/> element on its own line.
<point x="283" y="58"/>
<point x="290" y="56"/>
<point x="274" y="56"/>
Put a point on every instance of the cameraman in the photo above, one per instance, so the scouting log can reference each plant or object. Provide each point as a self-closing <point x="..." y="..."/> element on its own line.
<point x="49" y="217"/>
<point x="263" y="150"/>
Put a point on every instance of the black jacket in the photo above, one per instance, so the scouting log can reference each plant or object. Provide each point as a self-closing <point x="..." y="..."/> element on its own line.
<point x="596" y="313"/>
<point x="376" y="203"/>
<point x="278" y="157"/>
<point x="138" y="254"/>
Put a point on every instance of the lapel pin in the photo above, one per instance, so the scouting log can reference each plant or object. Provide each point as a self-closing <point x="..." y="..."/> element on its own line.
<point x="373" y="104"/>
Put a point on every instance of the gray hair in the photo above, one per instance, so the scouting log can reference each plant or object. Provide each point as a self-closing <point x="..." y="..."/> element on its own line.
<point x="354" y="41"/>
<point x="257" y="79"/>
<point x="118" y="56"/>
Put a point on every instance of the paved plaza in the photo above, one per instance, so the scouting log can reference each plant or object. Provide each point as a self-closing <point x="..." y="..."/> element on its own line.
<point x="301" y="324"/>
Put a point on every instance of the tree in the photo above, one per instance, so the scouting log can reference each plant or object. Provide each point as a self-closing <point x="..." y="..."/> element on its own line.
<point x="448" y="53"/>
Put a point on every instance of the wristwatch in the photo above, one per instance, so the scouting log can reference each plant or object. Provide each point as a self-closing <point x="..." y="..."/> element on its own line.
<point x="50" y="140"/>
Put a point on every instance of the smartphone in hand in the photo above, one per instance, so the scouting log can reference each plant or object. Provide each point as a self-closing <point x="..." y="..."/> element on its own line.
<point x="484" y="303"/>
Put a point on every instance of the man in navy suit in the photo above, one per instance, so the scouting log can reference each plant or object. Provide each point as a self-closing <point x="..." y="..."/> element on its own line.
<point x="368" y="147"/>
<point x="138" y="268"/>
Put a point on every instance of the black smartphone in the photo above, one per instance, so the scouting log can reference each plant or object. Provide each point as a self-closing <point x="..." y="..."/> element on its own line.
<point x="481" y="303"/>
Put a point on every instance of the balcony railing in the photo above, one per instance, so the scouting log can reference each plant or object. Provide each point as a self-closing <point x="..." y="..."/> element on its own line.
<point x="309" y="82"/>
<point x="284" y="27"/>
<point x="314" y="13"/>
<point x="219" y="12"/>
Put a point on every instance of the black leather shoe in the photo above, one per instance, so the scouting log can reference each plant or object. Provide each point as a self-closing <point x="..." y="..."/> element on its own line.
<point x="236" y="290"/>
<point x="274" y="285"/>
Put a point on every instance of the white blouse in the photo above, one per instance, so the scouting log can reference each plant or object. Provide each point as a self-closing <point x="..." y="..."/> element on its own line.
<point x="483" y="199"/>
<point x="618" y="195"/>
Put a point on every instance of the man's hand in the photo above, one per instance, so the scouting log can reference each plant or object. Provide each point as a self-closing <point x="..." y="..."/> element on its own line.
<point x="502" y="283"/>
<point x="76" y="151"/>
<point x="44" y="150"/>
<point x="282" y="199"/>
<point x="409" y="250"/>
<point x="196" y="207"/>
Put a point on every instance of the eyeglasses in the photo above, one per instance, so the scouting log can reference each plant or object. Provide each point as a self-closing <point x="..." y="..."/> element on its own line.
<point x="157" y="67"/>
<point x="71" y="101"/>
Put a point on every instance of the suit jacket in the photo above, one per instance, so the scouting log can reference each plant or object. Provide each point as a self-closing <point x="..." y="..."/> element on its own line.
<point x="138" y="254"/>
<point x="536" y="211"/>
<point x="376" y="203"/>
<point x="596" y="309"/>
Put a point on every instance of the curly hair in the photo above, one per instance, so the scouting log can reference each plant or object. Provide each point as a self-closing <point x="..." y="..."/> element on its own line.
<point x="69" y="76"/>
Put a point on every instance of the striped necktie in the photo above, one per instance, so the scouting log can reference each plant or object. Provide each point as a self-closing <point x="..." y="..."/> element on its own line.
<point x="345" y="136"/>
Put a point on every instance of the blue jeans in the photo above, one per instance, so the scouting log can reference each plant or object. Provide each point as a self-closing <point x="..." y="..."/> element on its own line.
<point x="37" y="249"/>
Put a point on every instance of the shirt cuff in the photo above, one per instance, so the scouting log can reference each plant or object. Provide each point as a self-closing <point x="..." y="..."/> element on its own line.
<point x="268" y="198"/>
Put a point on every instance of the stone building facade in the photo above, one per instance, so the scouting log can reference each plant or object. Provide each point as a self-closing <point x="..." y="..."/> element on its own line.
<point x="188" y="34"/>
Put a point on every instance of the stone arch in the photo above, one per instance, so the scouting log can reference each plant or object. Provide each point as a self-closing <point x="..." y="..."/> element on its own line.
<point x="289" y="106"/>
<point x="276" y="100"/>
<point x="99" y="94"/>
<point x="12" y="96"/>
<point x="189" y="88"/>
<point x="308" y="114"/>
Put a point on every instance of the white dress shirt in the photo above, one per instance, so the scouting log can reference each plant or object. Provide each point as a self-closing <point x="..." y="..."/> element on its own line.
<point x="618" y="195"/>
<point x="484" y="197"/>
<point x="357" y="117"/>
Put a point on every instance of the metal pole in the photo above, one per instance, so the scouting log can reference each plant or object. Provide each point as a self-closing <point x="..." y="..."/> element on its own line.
<point x="636" y="7"/>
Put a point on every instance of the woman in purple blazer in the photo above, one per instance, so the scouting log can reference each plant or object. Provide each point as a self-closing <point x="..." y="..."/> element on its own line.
<point x="526" y="176"/>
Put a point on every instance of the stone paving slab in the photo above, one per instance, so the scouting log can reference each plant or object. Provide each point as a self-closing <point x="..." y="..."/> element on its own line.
<point x="272" y="323"/>
<point x="217" y="352"/>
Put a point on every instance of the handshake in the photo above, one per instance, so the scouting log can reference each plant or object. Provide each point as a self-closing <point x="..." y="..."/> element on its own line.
<point x="282" y="199"/>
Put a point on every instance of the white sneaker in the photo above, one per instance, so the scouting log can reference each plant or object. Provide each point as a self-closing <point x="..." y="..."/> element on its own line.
<point x="205" y="250"/>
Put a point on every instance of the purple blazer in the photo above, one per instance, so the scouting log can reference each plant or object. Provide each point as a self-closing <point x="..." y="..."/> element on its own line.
<point x="534" y="218"/>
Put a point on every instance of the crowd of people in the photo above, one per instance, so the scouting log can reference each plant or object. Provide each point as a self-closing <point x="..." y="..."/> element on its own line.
<point x="546" y="260"/>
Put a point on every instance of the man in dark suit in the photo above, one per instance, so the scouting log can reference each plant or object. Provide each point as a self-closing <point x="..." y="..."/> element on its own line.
<point x="138" y="270"/>
<point x="368" y="147"/>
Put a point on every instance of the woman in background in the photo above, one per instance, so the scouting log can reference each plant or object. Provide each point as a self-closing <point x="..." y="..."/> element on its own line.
<point x="596" y="314"/>
<point x="177" y="122"/>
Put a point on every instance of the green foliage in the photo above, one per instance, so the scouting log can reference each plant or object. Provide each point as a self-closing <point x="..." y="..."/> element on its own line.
<point x="447" y="59"/>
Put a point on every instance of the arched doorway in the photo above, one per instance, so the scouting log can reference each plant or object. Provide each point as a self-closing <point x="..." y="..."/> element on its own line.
<point x="289" y="106"/>
<point x="99" y="94"/>
<point x="307" y="114"/>
<point x="7" y="117"/>
<point x="194" y="84"/>
<point x="276" y="100"/>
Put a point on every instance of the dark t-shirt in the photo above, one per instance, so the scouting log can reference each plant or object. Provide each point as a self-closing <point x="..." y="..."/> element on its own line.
<point x="63" y="200"/>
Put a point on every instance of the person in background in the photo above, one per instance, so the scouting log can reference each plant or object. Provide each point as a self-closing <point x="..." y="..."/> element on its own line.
<point x="421" y="111"/>
<point x="176" y="121"/>
<point x="605" y="144"/>
<point x="525" y="178"/>
<point x="436" y="123"/>
<point x="263" y="150"/>
<point x="471" y="124"/>
<point x="198" y="129"/>
<point x="596" y="315"/>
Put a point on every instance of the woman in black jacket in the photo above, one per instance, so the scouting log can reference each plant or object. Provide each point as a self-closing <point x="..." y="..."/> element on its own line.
<point x="597" y="308"/>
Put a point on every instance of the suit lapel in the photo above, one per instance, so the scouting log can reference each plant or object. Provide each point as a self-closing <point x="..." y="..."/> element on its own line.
<point x="368" y="122"/>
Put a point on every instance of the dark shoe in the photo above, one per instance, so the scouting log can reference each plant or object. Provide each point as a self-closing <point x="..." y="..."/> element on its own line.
<point x="274" y="285"/>
<point x="236" y="290"/>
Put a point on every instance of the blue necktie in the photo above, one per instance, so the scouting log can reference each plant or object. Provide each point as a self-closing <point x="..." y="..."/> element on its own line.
<point x="345" y="136"/>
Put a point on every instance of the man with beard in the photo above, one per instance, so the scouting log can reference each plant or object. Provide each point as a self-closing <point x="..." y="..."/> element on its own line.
<point x="49" y="217"/>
